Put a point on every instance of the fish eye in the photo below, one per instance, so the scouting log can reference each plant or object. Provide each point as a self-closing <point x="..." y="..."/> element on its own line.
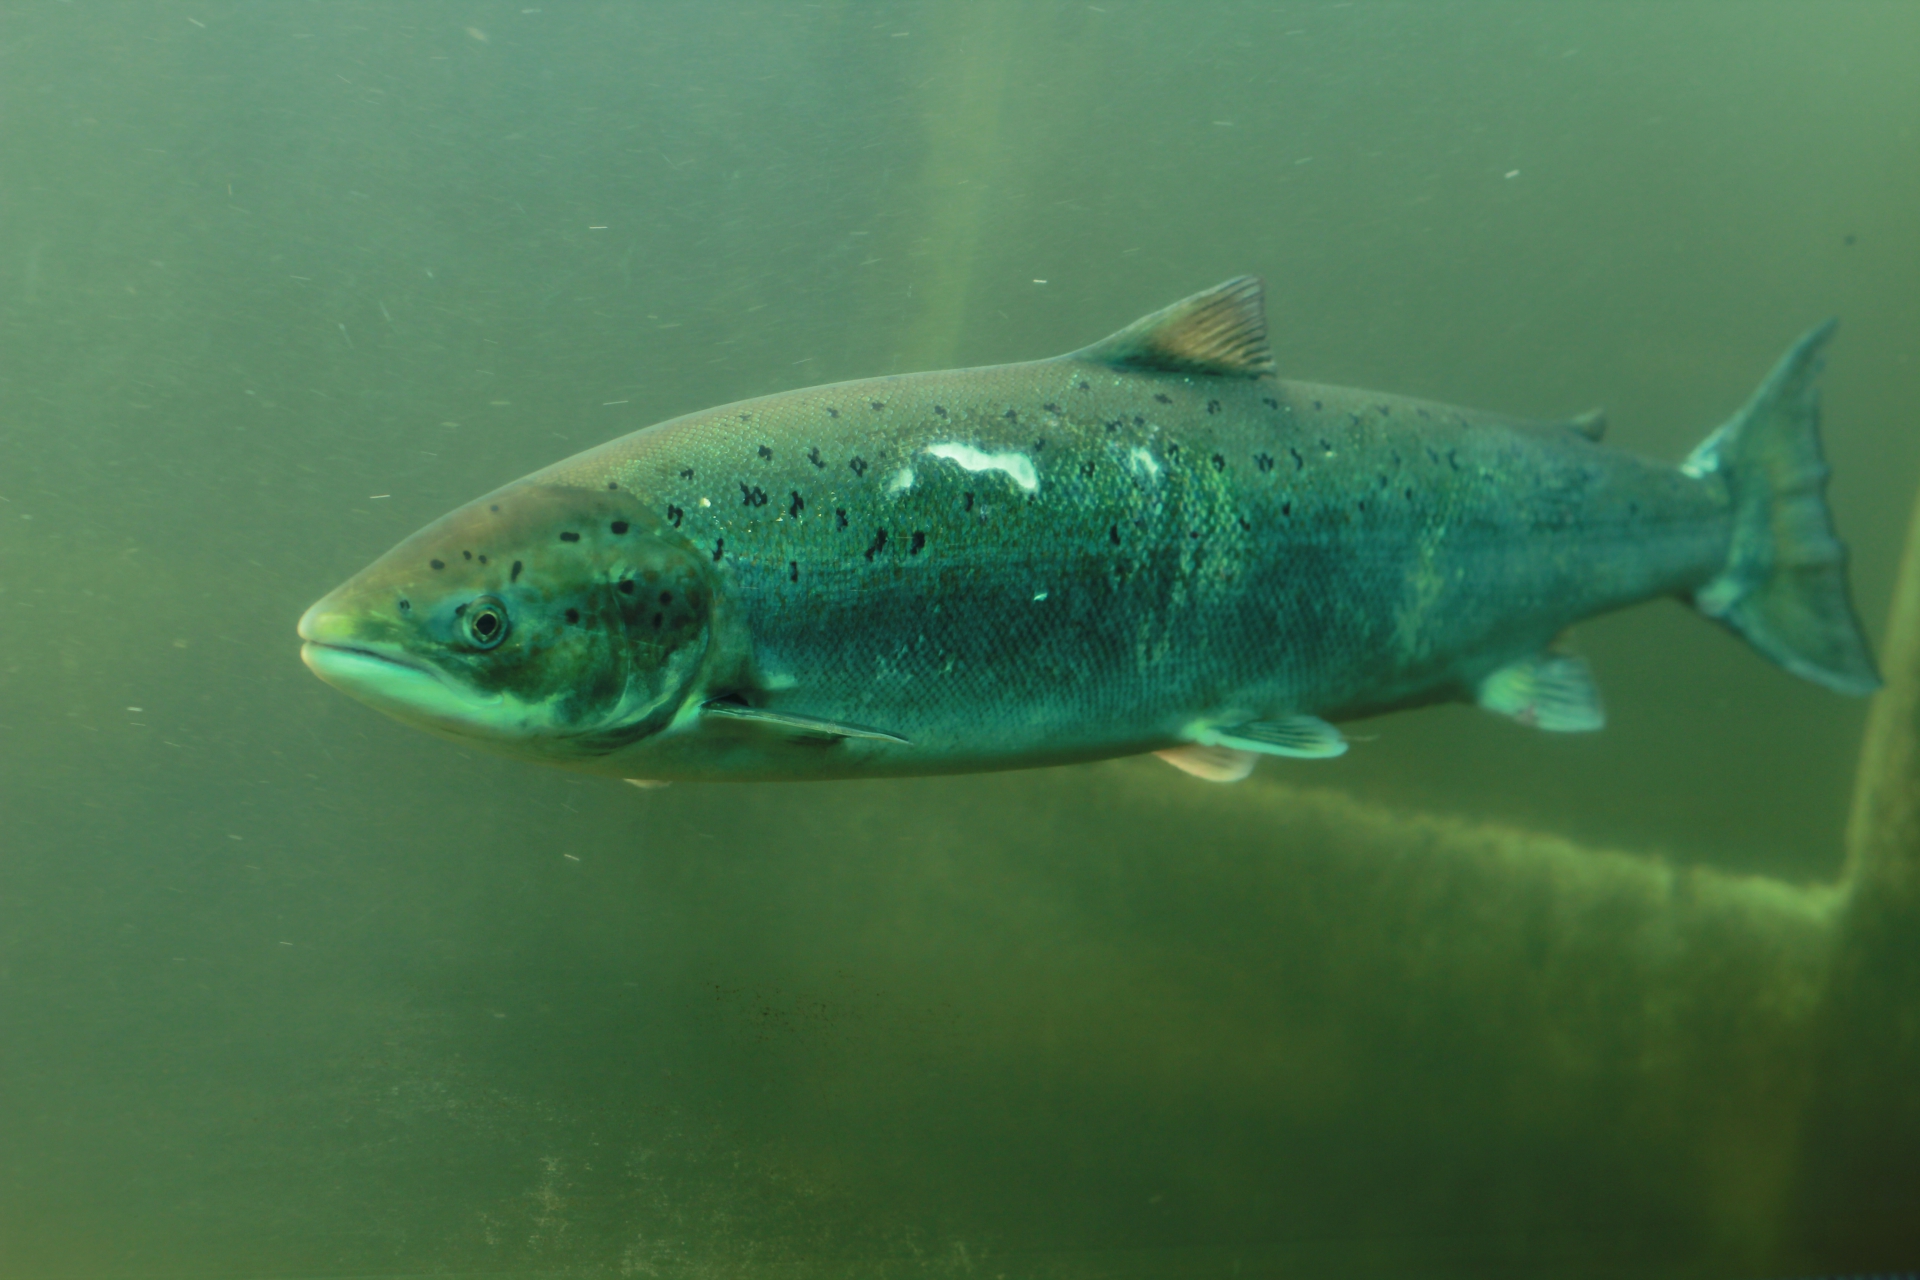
<point x="485" y="621"/>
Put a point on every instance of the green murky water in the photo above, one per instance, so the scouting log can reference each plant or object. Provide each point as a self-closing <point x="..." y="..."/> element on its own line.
<point x="287" y="989"/>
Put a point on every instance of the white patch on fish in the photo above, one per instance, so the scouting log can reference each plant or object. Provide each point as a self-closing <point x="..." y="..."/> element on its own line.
<point x="1018" y="467"/>
<point x="1143" y="461"/>
<point x="901" y="481"/>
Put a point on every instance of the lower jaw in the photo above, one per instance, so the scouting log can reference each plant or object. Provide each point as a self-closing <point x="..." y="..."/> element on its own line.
<point x="402" y="691"/>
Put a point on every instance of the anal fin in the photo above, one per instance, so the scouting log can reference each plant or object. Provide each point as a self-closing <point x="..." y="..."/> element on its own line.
<point x="1551" y="691"/>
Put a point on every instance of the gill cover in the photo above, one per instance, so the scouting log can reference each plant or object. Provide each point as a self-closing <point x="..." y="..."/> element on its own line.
<point x="542" y="620"/>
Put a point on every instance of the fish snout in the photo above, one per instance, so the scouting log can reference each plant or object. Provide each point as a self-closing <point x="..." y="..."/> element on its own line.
<point x="325" y="623"/>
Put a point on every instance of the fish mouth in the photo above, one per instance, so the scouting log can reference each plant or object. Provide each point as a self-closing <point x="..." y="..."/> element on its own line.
<point x="355" y="651"/>
<point x="348" y="661"/>
<point x="387" y="678"/>
<point x="403" y="689"/>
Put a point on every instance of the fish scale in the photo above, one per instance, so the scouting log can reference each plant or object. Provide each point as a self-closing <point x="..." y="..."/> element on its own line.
<point x="1149" y="545"/>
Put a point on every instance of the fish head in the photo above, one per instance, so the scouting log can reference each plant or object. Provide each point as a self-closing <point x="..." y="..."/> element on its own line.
<point x="545" y="621"/>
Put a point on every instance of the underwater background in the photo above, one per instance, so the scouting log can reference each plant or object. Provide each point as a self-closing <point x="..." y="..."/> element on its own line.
<point x="288" y="989"/>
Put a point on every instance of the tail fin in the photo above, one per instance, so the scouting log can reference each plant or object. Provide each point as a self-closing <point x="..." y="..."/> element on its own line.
<point x="1785" y="583"/>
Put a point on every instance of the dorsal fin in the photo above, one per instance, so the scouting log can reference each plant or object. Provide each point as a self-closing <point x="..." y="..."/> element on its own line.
<point x="1592" y="424"/>
<point x="1222" y="331"/>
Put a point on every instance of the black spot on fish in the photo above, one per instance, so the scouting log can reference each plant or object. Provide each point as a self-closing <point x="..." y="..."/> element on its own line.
<point x="1326" y="448"/>
<point x="483" y="559"/>
<point x="1382" y="479"/>
<point x="719" y="549"/>
<point x="573" y="617"/>
<point x="686" y="473"/>
<point x="1173" y="453"/>
<point x="1195" y="535"/>
<point x="1270" y="402"/>
<point x="1139" y="421"/>
<point x="1286" y="509"/>
<point x="666" y="597"/>
<point x="939" y="411"/>
<point x="1084" y="385"/>
<point x="657" y="619"/>
<point x="968" y="504"/>
<point x="1051" y="407"/>
<point x="832" y="412"/>
<point x="858" y="466"/>
<point x="1408" y="494"/>
<point x="813" y="456"/>
<point x="879" y="543"/>
<point x="1086" y="468"/>
<point x="619" y="526"/>
<point x="752" y="496"/>
<point x="1213" y="406"/>
<point x="466" y="555"/>
<point x="919" y="541"/>
<point x="1163" y="399"/>
<point x="793" y="571"/>
<point x="1114" y="425"/>
<point x="1113" y="534"/>
<point x="569" y="536"/>
<point x="438" y="564"/>
<point x="611" y="484"/>
<point x="1316" y="406"/>
<point x="1038" y="445"/>
<point x="1245" y="524"/>
<point x="840" y="517"/>
<point x="1453" y="459"/>
<point x="1219" y="463"/>
<point x="494" y="508"/>
<point x="1299" y="463"/>
<point x="1264" y="461"/>
<point x="626" y="586"/>
<point x="1011" y="416"/>
<point x="1386" y="410"/>
<point x="515" y="575"/>
<point x="798" y="505"/>
<point x="675" y="515"/>
<point x="877" y="405"/>
<point x="406" y="606"/>
<point x="1354" y="418"/>
<point x="763" y="451"/>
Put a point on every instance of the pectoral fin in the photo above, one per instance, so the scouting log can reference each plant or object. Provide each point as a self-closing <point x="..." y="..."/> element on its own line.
<point x="1552" y="691"/>
<point x="802" y="726"/>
